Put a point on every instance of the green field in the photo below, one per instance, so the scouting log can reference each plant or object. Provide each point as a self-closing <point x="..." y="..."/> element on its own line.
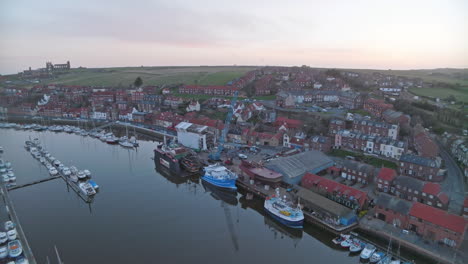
<point x="451" y="76"/>
<point x="123" y="77"/>
<point x="461" y="93"/>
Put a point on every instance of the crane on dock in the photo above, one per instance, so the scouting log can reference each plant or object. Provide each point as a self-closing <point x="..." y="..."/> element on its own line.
<point x="216" y="154"/>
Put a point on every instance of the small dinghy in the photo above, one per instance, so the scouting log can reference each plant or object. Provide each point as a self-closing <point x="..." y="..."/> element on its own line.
<point x="94" y="185"/>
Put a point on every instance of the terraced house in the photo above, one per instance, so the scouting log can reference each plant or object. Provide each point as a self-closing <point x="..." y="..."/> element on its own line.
<point x="420" y="167"/>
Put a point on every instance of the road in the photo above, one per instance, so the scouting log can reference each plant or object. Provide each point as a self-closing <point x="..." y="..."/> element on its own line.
<point x="454" y="184"/>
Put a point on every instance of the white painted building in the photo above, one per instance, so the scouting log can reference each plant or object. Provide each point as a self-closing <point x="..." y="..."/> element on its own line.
<point x="99" y="115"/>
<point x="192" y="135"/>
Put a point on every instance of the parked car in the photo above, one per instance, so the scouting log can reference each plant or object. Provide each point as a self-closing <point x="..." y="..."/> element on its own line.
<point x="242" y="156"/>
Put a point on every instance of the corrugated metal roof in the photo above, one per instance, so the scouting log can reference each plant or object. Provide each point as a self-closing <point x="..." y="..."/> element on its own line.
<point x="297" y="165"/>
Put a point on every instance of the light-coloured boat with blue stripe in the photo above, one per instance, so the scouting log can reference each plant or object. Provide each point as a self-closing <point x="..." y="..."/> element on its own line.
<point x="220" y="176"/>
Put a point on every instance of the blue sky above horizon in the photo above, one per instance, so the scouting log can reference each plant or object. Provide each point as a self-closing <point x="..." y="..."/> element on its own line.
<point x="336" y="33"/>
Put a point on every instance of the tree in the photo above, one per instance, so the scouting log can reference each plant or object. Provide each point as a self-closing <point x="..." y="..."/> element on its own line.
<point x="138" y="82"/>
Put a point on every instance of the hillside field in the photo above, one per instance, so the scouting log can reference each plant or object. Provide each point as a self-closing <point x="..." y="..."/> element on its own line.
<point x="123" y="77"/>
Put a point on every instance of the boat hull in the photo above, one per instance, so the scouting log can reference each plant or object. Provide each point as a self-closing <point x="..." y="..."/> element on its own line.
<point x="162" y="161"/>
<point x="225" y="184"/>
<point x="289" y="223"/>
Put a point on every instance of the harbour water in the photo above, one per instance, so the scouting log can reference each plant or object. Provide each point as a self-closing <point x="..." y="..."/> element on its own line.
<point x="142" y="216"/>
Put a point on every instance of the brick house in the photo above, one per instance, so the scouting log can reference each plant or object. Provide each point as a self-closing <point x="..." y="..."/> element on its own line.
<point x="395" y="117"/>
<point x="137" y="96"/>
<point x="437" y="225"/>
<point x="340" y="193"/>
<point x="101" y="98"/>
<point x="407" y="188"/>
<point x="357" y="172"/>
<point x="392" y="210"/>
<point x="432" y="195"/>
<point x="375" y="128"/>
<point x="385" y="179"/>
<point x="376" y="107"/>
<point x="425" y="146"/>
<point x="336" y="125"/>
<point x="173" y="101"/>
<point x="263" y="86"/>
<point x="320" y="143"/>
<point x="420" y="167"/>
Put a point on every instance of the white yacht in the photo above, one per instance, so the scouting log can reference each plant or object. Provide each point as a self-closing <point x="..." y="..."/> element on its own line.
<point x="81" y="175"/>
<point x="87" y="173"/>
<point x="53" y="171"/>
<point x="66" y="171"/>
<point x="86" y="188"/>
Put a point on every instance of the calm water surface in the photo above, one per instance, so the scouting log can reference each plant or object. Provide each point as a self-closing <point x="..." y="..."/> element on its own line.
<point x="141" y="216"/>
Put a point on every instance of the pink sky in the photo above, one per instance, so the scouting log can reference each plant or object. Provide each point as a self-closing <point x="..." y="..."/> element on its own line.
<point x="344" y="34"/>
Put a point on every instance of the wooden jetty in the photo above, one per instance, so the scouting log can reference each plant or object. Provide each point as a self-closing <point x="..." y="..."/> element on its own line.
<point x="13" y="216"/>
<point x="32" y="183"/>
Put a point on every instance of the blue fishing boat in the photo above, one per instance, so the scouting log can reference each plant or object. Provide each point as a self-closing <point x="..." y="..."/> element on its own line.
<point x="220" y="176"/>
<point x="283" y="212"/>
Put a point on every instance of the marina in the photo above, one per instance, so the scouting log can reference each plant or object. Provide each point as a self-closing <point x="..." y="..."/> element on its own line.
<point x="134" y="172"/>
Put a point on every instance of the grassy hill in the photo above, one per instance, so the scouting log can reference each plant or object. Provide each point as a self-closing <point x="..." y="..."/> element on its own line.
<point x="448" y="75"/>
<point x="210" y="75"/>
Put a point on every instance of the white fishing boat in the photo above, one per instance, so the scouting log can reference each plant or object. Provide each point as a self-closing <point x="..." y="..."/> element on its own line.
<point x="11" y="234"/>
<point x="73" y="177"/>
<point x="8" y="165"/>
<point x="5" y="178"/>
<point x="3" y="237"/>
<point x="126" y="144"/>
<point x="53" y="171"/>
<point x="87" y="173"/>
<point x="42" y="160"/>
<point x="66" y="171"/>
<point x="376" y="257"/>
<point x="11" y="176"/>
<point x="57" y="163"/>
<point x="86" y="188"/>
<point x="367" y="252"/>
<point x="341" y="238"/>
<point x="73" y="170"/>
<point x="346" y="243"/>
<point x="81" y="175"/>
<point x="356" y="246"/>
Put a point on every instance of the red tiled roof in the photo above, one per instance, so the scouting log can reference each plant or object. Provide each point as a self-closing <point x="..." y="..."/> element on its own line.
<point x="291" y="123"/>
<point x="387" y="174"/>
<point x="309" y="179"/>
<point x="431" y="188"/>
<point x="439" y="217"/>
<point x="443" y="198"/>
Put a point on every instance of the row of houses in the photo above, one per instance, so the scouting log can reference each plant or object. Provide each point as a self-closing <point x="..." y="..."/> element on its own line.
<point x="216" y="90"/>
<point x="365" y="126"/>
<point x="383" y="146"/>
<point x="348" y="99"/>
<point x="428" y="222"/>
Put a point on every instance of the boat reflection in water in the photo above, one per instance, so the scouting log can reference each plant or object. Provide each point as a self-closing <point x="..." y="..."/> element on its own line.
<point x="226" y="195"/>
<point x="280" y="231"/>
<point x="179" y="178"/>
